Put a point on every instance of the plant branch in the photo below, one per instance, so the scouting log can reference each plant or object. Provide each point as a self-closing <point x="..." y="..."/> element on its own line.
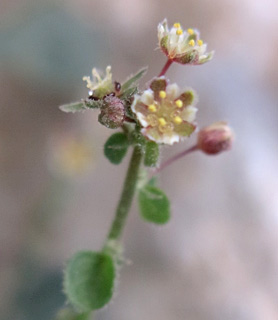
<point x="174" y="158"/>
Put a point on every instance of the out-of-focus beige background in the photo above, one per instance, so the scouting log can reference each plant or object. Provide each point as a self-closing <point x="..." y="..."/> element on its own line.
<point x="218" y="256"/>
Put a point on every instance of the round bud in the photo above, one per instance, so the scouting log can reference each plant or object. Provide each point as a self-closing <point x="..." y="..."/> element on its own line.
<point x="112" y="112"/>
<point x="215" y="138"/>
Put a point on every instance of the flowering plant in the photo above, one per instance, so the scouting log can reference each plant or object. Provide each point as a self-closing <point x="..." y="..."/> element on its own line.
<point x="162" y="114"/>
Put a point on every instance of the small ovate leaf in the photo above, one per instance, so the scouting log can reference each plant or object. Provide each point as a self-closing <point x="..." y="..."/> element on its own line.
<point x="73" y="107"/>
<point x="89" y="280"/>
<point x="70" y="314"/>
<point x="116" y="147"/>
<point x="134" y="79"/>
<point x="154" y="205"/>
<point x="151" y="154"/>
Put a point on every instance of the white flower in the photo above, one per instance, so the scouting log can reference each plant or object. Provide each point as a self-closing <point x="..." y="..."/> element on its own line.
<point x="165" y="113"/>
<point x="182" y="46"/>
<point x="98" y="86"/>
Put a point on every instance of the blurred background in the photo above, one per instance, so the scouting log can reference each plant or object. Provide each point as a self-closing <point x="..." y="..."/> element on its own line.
<point x="218" y="257"/>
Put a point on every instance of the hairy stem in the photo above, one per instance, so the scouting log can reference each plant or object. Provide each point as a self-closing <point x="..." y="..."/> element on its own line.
<point x="126" y="196"/>
<point x="175" y="158"/>
<point x="166" y="67"/>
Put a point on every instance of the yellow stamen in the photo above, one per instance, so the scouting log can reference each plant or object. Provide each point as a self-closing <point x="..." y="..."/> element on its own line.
<point x="152" y="108"/>
<point x="179" y="32"/>
<point x="190" y="31"/>
<point x="200" y="42"/>
<point x="179" y="103"/>
<point x="162" y="94"/>
<point x="191" y="43"/>
<point x="162" y="121"/>
<point x="178" y="120"/>
<point x="177" y="25"/>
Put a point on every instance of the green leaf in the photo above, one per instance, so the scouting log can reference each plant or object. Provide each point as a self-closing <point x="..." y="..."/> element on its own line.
<point x="154" y="205"/>
<point x="89" y="280"/>
<point x="116" y="147"/>
<point x="152" y="182"/>
<point x="134" y="79"/>
<point x="128" y="94"/>
<point x="73" y="107"/>
<point x="151" y="154"/>
<point x="70" y="314"/>
<point x="93" y="104"/>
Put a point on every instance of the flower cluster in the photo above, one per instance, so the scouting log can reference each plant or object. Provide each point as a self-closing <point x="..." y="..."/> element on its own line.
<point x="165" y="113"/>
<point x="182" y="46"/>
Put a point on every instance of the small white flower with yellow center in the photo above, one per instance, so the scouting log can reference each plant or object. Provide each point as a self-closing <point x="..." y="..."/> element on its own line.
<point x="98" y="86"/>
<point x="182" y="46"/>
<point x="165" y="112"/>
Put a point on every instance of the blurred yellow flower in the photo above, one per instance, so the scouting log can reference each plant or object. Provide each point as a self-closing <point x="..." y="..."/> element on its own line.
<point x="71" y="156"/>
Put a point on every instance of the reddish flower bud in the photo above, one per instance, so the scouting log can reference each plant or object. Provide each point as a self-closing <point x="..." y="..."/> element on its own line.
<point x="215" y="138"/>
<point x="112" y="113"/>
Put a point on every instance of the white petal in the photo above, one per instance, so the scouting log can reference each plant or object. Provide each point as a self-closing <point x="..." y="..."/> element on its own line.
<point x="163" y="138"/>
<point x="142" y="119"/>
<point x="147" y="97"/>
<point x="173" y="91"/>
<point x="202" y="49"/>
<point x="189" y="113"/>
<point x="161" y="32"/>
<point x="170" y="139"/>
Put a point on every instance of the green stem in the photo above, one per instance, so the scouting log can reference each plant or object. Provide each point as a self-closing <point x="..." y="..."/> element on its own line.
<point x="126" y="196"/>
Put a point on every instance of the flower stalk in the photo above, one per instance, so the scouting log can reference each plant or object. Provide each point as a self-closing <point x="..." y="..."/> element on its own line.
<point x="175" y="158"/>
<point x="166" y="67"/>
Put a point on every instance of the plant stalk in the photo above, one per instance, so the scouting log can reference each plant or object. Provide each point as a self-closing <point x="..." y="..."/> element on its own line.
<point x="126" y="196"/>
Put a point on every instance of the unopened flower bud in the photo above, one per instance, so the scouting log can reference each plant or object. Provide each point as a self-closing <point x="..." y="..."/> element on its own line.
<point x="215" y="138"/>
<point x="112" y="113"/>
